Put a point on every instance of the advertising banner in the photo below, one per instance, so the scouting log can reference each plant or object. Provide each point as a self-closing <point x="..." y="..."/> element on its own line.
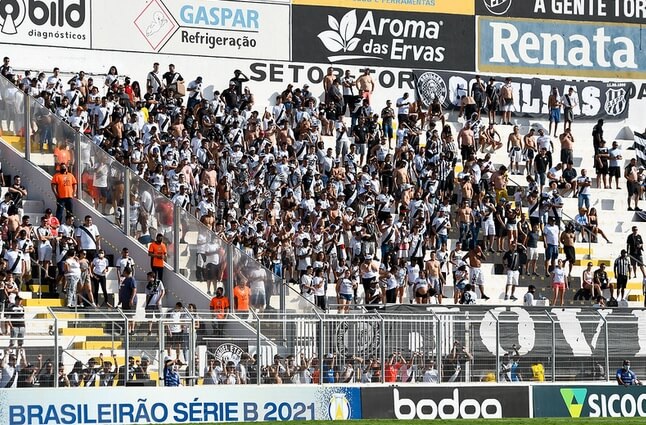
<point x="445" y="402"/>
<point x="241" y="29"/>
<point x="62" y="23"/>
<point x="381" y="38"/>
<point x="594" y="99"/>
<point x="464" y="7"/>
<point x="622" y="11"/>
<point x="201" y="404"/>
<point x="573" y="48"/>
<point x="591" y="401"/>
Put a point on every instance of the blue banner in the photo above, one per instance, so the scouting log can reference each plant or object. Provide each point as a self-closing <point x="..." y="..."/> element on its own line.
<point x="573" y="48"/>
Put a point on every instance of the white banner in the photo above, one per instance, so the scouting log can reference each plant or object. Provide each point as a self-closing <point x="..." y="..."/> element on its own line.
<point x="240" y="29"/>
<point x="200" y="404"/>
<point x="61" y="23"/>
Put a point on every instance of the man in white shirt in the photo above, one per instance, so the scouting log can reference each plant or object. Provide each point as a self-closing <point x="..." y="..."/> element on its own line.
<point x="569" y="103"/>
<point x="194" y="89"/>
<point x="403" y="108"/>
<point x="551" y="242"/>
<point x="88" y="237"/>
<point x="615" y="164"/>
<point x="153" y="80"/>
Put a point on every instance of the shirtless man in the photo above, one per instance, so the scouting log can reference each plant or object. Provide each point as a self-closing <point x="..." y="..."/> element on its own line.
<point x="515" y="150"/>
<point x="467" y="188"/>
<point x="210" y="176"/>
<point x="434" y="276"/>
<point x="567" y="239"/>
<point x="369" y="270"/>
<point x="474" y="259"/>
<point x="467" y="142"/>
<point x="401" y="180"/>
<point x="499" y="180"/>
<point x="365" y="85"/>
<point x="530" y="149"/>
<point x="463" y="217"/>
<point x="328" y="80"/>
<point x="567" y="147"/>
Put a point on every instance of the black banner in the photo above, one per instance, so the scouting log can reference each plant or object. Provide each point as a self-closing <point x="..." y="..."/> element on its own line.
<point x="594" y="99"/>
<point x="444" y="402"/>
<point x="382" y="38"/>
<point x="622" y="11"/>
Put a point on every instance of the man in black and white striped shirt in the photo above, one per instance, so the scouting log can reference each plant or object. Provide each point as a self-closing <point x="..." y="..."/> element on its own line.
<point x="622" y="271"/>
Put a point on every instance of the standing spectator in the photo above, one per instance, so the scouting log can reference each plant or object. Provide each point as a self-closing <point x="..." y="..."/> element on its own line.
<point x="128" y="296"/>
<point x="622" y="273"/>
<point x="551" y="243"/>
<point x="125" y="261"/>
<point x="614" y="165"/>
<point x="88" y="237"/>
<point x="158" y="253"/>
<point x="569" y="103"/>
<point x="507" y="101"/>
<point x="98" y="274"/>
<point x="365" y="85"/>
<point x="72" y="269"/>
<point x="219" y="307"/>
<point x="559" y="283"/>
<point x="242" y="295"/>
<point x="633" y="177"/>
<point x="171" y="372"/>
<point x="635" y="248"/>
<point x="474" y="258"/>
<point x="64" y="188"/>
<point x="583" y="184"/>
<point x="16" y="316"/>
<point x="554" y="105"/>
<point x="403" y="109"/>
<point x="511" y="263"/>
<point x="155" y="293"/>
<point x="387" y="116"/>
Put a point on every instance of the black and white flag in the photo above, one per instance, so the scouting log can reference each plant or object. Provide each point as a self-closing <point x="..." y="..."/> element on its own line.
<point x="640" y="148"/>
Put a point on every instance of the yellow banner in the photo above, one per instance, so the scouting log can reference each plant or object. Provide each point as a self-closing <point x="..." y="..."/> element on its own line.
<point x="455" y="7"/>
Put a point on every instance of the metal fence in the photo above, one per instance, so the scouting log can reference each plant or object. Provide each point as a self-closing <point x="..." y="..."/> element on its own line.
<point x="440" y="345"/>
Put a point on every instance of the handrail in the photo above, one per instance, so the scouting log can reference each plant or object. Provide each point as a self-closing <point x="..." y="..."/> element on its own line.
<point x="140" y="182"/>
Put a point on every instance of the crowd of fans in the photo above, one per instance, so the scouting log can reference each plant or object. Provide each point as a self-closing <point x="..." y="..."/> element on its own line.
<point x="370" y="214"/>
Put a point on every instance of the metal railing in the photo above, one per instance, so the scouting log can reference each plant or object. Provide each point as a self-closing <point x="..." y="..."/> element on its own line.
<point x="25" y="117"/>
<point x="402" y="344"/>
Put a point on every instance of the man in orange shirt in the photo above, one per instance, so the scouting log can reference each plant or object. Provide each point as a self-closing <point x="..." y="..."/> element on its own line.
<point x="219" y="306"/>
<point x="241" y="295"/>
<point x="64" y="188"/>
<point x="157" y="253"/>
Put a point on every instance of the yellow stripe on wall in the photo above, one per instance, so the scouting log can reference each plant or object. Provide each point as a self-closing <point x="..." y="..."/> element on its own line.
<point x="454" y="7"/>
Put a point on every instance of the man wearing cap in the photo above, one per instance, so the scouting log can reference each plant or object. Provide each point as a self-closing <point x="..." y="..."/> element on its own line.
<point x="171" y="372"/>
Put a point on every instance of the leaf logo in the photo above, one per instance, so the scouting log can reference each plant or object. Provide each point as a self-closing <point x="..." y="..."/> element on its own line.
<point x="340" y="38"/>
<point x="341" y="35"/>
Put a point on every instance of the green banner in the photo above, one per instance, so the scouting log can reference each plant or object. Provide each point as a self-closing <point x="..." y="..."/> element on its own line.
<point x="591" y="401"/>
